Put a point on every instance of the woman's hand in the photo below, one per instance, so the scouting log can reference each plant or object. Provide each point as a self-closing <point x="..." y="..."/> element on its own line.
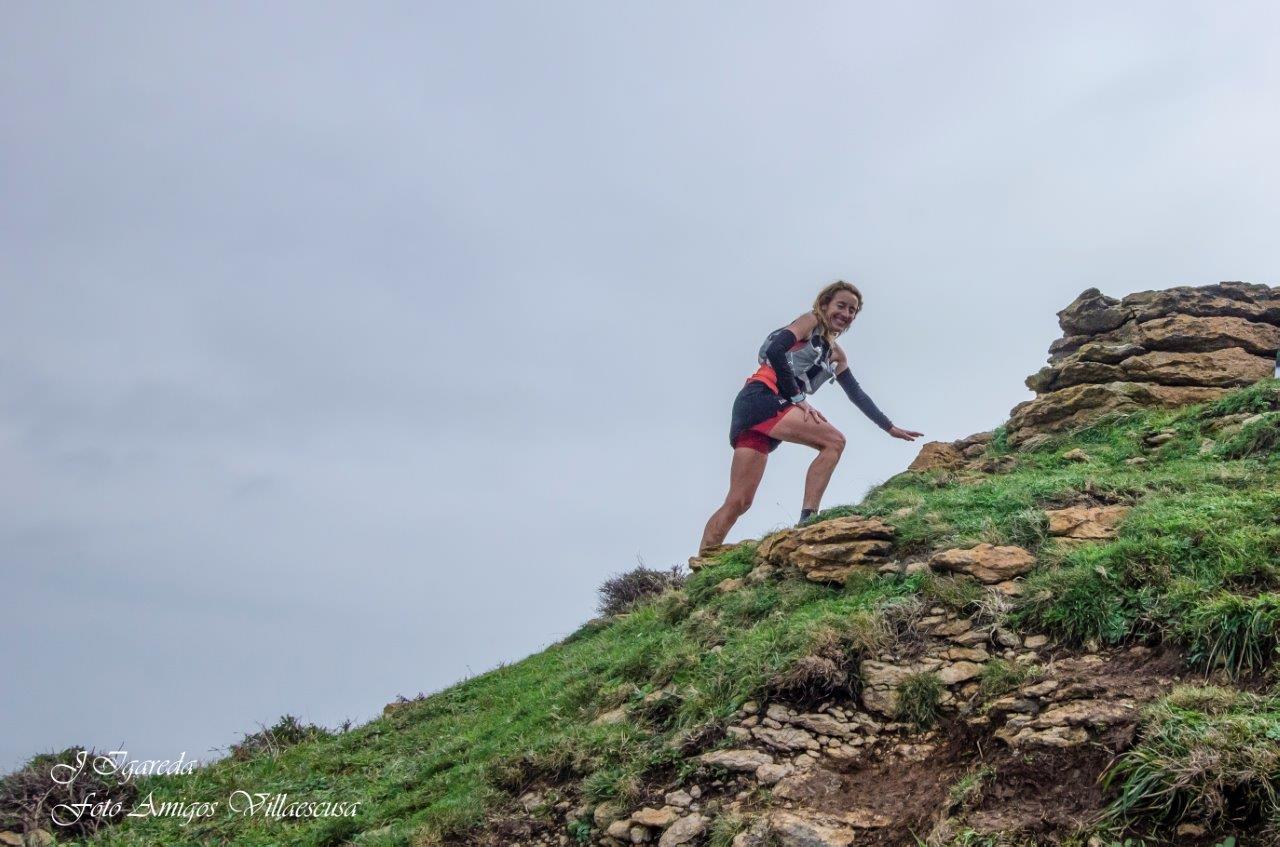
<point x="810" y="413"/>
<point x="904" y="434"/>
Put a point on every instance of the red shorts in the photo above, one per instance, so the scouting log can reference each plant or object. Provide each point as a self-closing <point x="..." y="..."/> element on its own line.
<point x="757" y="437"/>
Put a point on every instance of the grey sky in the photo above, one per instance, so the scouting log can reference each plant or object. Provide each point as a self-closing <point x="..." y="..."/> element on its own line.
<point x="346" y="348"/>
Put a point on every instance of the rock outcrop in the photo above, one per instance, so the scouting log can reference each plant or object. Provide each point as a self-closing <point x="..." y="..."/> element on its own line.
<point x="1085" y="523"/>
<point x="985" y="562"/>
<point x="1153" y="348"/>
<point x="830" y="551"/>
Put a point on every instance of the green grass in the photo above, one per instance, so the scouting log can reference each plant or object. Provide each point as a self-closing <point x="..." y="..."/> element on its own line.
<point x="436" y="766"/>
<point x="967" y="790"/>
<point x="1000" y="677"/>
<point x="1196" y="563"/>
<point x="918" y="699"/>
<point x="1207" y="754"/>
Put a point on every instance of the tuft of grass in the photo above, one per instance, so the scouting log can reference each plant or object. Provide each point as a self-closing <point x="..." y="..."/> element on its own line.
<point x="1263" y="396"/>
<point x="918" y="699"/>
<point x="726" y="828"/>
<point x="30" y="795"/>
<point x="1239" y="634"/>
<point x="621" y="592"/>
<point x="271" y="741"/>
<point x="960" y="594"/>
<point x="1000" y="677"/>
<point x="827" y="665"/>
<point x="1206" y="754"/>
<point x="1260" y="438"/>
<point x="1027" y="528"/>
<point x="967" y="790"/>
<point x="1075" y="604"/>
<point x="999" y="444"/>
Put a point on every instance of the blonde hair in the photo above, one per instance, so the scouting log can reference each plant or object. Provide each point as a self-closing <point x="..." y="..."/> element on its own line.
<point x="824" y="297"/>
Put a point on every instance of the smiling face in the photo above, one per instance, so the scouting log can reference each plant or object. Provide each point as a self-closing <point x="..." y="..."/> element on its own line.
<point x="841" y="309"/>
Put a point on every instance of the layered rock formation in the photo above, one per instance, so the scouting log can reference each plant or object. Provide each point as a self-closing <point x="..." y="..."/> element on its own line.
<point x="831" y="550"/>
<point x="1153" y="348"/>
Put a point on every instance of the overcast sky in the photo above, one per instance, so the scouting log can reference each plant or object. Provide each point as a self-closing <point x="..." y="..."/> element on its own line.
<point x="345" y="349"/>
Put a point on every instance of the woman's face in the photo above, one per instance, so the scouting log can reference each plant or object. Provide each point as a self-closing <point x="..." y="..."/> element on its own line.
<point x="842" y="309"/>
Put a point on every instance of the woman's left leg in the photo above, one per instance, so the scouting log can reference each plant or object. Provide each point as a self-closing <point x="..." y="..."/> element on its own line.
<point x="744" y="478"/>
<point x="821" y="436"/>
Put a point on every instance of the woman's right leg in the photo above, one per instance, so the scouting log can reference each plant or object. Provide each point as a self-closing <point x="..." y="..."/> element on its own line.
<point x="744" y="478"/>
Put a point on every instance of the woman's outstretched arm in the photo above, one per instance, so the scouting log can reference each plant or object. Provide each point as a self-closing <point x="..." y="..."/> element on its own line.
<point x="864" y="403"/>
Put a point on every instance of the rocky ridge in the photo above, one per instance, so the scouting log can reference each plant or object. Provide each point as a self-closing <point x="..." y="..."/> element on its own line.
<point x="1152" y="348"/>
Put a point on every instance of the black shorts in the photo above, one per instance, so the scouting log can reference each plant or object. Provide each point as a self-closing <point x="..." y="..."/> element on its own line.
<point x="755" y="411"/>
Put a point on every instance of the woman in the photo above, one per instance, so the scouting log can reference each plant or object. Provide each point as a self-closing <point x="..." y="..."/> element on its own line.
<point x="771" y="408"/>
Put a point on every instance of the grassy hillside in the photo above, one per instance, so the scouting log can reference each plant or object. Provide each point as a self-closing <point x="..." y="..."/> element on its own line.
<point x="1196" y="564"/>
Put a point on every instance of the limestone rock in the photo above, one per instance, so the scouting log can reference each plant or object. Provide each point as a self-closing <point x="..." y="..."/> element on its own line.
<point x="829" y="551"/>
<point x="1086" y="523"/>
<point x="824" y="725"/>
<point x="679" y="799"/>
<point x="736" y="760"/>
<point x="657" y="818"/>
<point x="986" y="562"/>
<point x="1060" y="410"/>
<point x="1066" y="345"/>
<point x="876" y="674"/>
<point x="834" y="562"/>
<point x="937" y="455"/>
<point x="620" y="829"/>
<point x="950" y="629"/>
<point x="1225" y="299"/>
<point x="984" y="437"/>
<point x="778" y="712"/>
<point x="605" y="814"/>
<point x="1108" y="352"/>
<point x="787" y="739"/>
<point x="1061" y="736"/>
<point x="1097" y="713"/>
<point x="1091" y="313"/>
<point x="789" y="829"/>
<point x="821" y="829"/>
<point x="1228" y="367"/>
<point x="684" y="831"/>
<point x="808" y="786"/>
<point x="1072" y="372"/>
<point x="756" y="836"/>
<point x="881" y="701"/>
<point x="1191" y="333"/>
<point x="849" y="528"/>
<point x="773" y="773"/>
<point x="776" y="548"/>
<point x="959" y="672"/>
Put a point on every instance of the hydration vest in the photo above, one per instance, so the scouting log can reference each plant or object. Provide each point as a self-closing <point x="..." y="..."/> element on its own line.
<point x="810" y="360"/>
